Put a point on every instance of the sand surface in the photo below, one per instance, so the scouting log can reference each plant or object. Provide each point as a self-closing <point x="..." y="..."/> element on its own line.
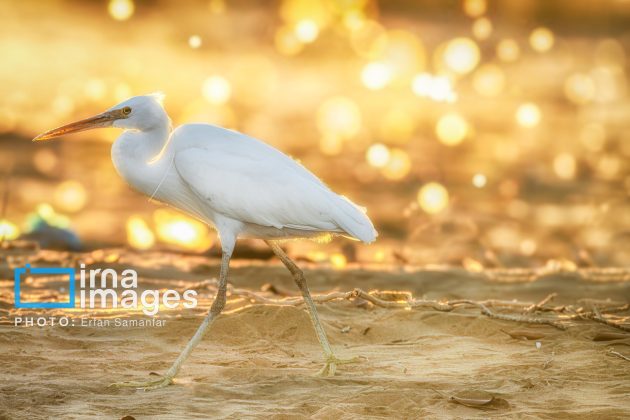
<point x="258" y="360"/>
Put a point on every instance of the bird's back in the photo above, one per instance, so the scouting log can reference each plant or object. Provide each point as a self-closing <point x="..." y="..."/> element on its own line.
<point x="248" y="180"/>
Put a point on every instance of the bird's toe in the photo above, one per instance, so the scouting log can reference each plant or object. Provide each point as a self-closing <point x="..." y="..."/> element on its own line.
<point x="330" y="366"/>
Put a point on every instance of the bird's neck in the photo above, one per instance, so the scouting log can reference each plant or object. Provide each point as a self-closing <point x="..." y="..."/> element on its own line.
<point x="141" y="157"/>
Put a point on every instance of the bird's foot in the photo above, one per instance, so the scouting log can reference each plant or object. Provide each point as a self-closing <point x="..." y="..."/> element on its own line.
<point x="148" y="385"/>
<point x="330" y="367"/>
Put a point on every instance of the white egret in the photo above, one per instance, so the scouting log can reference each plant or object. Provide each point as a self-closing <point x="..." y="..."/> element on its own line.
<point x="239" y="185"/>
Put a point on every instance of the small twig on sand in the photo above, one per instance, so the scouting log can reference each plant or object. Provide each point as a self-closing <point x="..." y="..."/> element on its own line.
<point x="616" y="353"/>
<point x="413" y="303"/>
<point x="515" y="318"/>
<point x="539" y="305"/>
<point x="590" y="314"/>
<point x="599" y="318"/>
<point x="496" y="303"/>
<point x="596" y="315"/>
<point x="291" y="301"/>
<point x="615" y="309"/>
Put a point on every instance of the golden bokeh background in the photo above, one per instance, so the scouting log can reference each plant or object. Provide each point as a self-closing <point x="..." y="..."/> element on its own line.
<point x="477" y="133"/>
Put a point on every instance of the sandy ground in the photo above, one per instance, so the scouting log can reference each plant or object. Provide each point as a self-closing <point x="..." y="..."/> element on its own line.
<point x="258" y="360"/>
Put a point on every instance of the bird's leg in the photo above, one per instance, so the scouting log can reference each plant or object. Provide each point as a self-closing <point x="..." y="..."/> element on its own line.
<point x="215" y="310"/>
<point x="331" y="360"/>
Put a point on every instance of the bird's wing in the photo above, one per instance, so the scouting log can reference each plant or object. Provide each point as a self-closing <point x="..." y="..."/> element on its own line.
<point x="252" y="182"/>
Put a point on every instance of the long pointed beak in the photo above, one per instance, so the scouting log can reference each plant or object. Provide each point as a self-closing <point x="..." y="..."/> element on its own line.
<point x="105" y="119"/>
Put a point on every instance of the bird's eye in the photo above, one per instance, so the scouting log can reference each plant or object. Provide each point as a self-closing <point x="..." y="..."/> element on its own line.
<point x="126" y="110"/>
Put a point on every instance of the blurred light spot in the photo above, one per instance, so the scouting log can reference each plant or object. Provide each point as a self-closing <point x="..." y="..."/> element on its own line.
<point x="397" y="126"/>
<point x="579" y="88"/>
<point x="63" y="105"/>
<point x="473" y="265"/>
<point x="287" y="43"/>
<point x="404" y="53"/>
<point x="306" y="31"/>
<point x="70" y="196"/>
<point x="528" y="246"/>
<point x="475" y="8"/>
<point x="293" y="11"/>
<point x="379" y="256"/>
<point x="139" y="235"/>
<point x="376" y="75"/>
<point x="120" y="9"/>
<point x="330" y="144"/>
<point x="353" y="20"/>
<point x="95" y="89"/>
<point x="482" y="28"/>
<point x="8" y="231"/>
<point x="433" y="197"/>
<point x="317" y="256"/>
<point x="339" y="116"/>
<point x="122" y="91"/>
<point x="45" y="160"/>
<point x="451" y="129"/>
<point x="489" y="80"/>
<point x="369" y="40"/>
<point x="479" y="180"/>
<point x="564" y="166"/>
<point x="437" y="88"/>
<point x="610" y="83"/>
<point x="177" y="229"/>
<point x="398" y="165"/>
<point x="47" y="213"/>
<point x="528" y="115"/>
<point x="541" y="39"/>
<point x="610" y="52"/>
<point x="377" y="155"/>
<point x="216" y="90"/>
<point x="593" y="137"/>
<point x="508" y="50"/>
<point x="338" y="260"/>
<point x="461" y="55"/>
<point x="194" y="41"/>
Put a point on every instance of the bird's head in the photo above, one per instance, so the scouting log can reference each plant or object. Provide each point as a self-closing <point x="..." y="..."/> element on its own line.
<point x="138" y="113"/>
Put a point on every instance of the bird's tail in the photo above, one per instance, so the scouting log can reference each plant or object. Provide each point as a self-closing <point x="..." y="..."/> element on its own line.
<point x="354" y="220"/>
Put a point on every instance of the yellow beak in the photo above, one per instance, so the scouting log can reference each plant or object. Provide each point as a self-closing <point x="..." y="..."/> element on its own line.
<point x="105" y="119"/>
